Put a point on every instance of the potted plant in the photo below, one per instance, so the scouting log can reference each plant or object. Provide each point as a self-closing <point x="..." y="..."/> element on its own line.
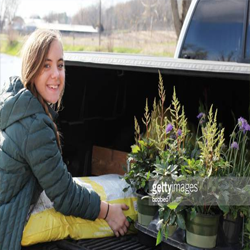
<point x="141" y="161"/>
<point x="233" y="196"/>
<point x="173" y="138"/>
<point x="171" y="217"/>
<point x="163" y="137"/>
<point x="224" y="185"/>
<point x="178" y="162"/>
<point x="171" y="214"/>
<point x="203" y="212"/>
<point x="140" y="167"/>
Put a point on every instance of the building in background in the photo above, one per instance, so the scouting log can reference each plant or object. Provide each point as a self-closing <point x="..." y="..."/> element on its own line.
<point x="26" y="26"/>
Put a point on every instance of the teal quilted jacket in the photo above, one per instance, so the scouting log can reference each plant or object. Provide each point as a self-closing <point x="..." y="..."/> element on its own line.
<point x="30" y="161"/>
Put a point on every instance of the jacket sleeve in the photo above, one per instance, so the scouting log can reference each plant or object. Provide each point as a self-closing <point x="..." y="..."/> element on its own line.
<point x="45" y="160"/>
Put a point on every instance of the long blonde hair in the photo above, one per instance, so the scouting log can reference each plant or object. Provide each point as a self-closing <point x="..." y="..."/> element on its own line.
<point x="34" y="54"/>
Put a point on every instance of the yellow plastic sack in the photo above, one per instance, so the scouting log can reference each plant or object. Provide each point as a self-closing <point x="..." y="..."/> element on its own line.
<point x="45" y="224"/>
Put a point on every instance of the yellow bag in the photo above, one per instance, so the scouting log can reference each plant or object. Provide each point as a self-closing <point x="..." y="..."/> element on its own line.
<point x="46" y="224"/>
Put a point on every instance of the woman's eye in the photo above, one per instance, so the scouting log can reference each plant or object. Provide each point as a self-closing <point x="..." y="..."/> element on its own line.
<point x="61" y="66"/>
<point x="46" y="66"/>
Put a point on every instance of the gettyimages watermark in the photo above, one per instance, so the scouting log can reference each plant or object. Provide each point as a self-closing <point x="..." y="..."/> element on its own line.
<point x="193" y="191"/>
<point x="162" y="192"/>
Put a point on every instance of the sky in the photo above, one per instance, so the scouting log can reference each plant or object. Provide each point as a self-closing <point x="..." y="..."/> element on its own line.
<point x="43" y="7"/>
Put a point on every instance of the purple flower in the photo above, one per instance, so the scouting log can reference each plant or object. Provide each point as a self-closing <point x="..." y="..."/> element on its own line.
<point x="235" y="145"/>
<point x="169" y="127"/>
<point x="200" y="115"/>
<point x="179" y="132"/>
<point x="243" y="124"/>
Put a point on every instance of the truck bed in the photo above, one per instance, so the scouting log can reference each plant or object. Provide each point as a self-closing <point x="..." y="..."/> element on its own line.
<point x="130" y="242"/>
<point x="105" y="91"/>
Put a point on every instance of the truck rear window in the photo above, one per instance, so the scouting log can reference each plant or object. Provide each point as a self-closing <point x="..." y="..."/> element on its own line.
<point x="216" y="31"/>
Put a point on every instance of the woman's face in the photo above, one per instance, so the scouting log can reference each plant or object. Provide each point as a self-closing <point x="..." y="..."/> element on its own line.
<point x="50" y="81"/>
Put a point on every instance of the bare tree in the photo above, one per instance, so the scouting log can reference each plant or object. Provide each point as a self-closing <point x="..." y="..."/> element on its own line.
<point x="185" y="7"/>
<point x="136" y="15"/>
<point x="178" y="18"/>
<point x="150" y="13"/>
<point x="8" y="11"/>
<point x="56" y="17"/>
<point x="87" y="16"/>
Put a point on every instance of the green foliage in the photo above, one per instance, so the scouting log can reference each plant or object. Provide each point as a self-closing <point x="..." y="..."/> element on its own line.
<point x="164" y="168"/>
<point x="166" y="54"/>
<point x="179" y="121"/>
<point x="12" y="48"/>
<point x="159" y="237"/>
<point x="137" y="131"/>
<point x="170" y="215"/>
<point x="71" y="47"/>
<point x="147" y="119"/>
<point x="167" y="150"/>
<point x="192" y="167"/>
<point x="210" y="145"/>
<point x="238" y="155"/>
<point x="205" y="160"/>
<point x="158" y="123"/>
<point x="127" y="50"/>
<point x="170" y="142"/>
<point x="167" y="147"/>
<point x="167" y="133"/>
<point x="141" y="161"/>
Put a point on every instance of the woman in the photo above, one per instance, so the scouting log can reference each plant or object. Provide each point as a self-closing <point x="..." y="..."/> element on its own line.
<point x="30" y="149"/>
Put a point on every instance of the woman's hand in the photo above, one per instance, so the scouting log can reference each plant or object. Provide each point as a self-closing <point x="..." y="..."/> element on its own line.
<point x="115" y="217"/>
<point x="117" y="220"/>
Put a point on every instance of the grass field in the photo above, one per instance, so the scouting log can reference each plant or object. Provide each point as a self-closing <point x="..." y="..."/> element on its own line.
<point x="156" y="43"/>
